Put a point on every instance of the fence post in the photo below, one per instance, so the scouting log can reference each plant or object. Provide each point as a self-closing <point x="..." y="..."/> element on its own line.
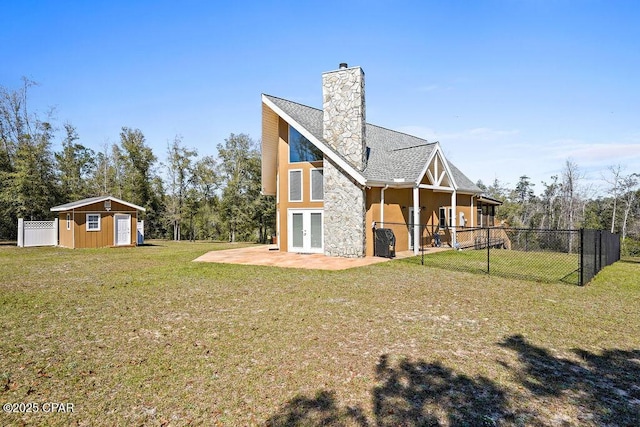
<point x="581" y="260"/>
<point x="56" y="226"/>
<point x="21" y="232"/>
<point x="488" y="251"/>
<point x="596" y="254"/>
<point x="422" y="228"/>
<point x="599" y="255"/>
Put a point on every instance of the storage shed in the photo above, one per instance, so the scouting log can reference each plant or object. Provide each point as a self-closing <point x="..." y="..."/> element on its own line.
<point x="97" y="222"/>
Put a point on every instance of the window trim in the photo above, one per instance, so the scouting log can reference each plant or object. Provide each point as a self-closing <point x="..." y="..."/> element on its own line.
<point x="311" y="184"/>
<point x="442" y="217"/>
<point x="88" y="221"/>
<point x="301" y="186"/>
<point x="68" y="221"/>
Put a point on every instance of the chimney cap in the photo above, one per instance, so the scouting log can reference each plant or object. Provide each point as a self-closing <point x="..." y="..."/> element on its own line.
<point x="343" y="66"/>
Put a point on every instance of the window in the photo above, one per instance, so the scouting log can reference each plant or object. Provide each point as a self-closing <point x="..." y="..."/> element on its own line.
<point x="317" y="189"/>
<point x="301" y="149"/>
<point x="442" y="218"/>
<point x="93" y="222"/>
<point x="68" y="221"/>
<point x="295" y="185"/>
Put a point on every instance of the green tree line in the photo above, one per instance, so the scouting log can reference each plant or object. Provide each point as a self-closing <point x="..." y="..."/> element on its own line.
<point x="186" y="196"/>
<point x="194" y="197"/>
<point x="567" y="201"/>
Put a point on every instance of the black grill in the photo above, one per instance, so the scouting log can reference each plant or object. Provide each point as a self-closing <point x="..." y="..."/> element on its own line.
<point x="385" y="243"/>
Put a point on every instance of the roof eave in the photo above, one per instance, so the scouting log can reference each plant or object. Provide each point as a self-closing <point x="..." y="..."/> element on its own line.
<point x="390" y="183"/>
<point x="490" y="200"/>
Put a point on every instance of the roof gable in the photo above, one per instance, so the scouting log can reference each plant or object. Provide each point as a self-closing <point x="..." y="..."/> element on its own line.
<point x="92" y="200"/>
<point x="436" y="172"/>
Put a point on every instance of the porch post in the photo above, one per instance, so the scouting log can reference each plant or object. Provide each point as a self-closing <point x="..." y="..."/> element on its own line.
<point x="473" y="212"/>
<point x="416" y="220"/>
<point x="454" y="214"/>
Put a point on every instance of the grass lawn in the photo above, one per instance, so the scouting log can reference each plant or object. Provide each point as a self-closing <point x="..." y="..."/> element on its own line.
<point x="144" y="336"/>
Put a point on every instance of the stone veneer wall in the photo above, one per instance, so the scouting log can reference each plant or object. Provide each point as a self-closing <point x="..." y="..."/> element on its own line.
<point x="344" y="118"/>
<point x="344" y="214"/>
<point x="343" y="127"/>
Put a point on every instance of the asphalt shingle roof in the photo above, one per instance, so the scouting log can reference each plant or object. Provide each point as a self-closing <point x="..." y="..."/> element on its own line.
<point x="393" y="155"/>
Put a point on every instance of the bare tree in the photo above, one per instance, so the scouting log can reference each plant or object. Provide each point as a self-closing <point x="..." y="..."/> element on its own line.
<point x="550" y="204"/>
<point x="571" y="197"/>
<point x="628" y="186"/>
<point x="614" y="181"/>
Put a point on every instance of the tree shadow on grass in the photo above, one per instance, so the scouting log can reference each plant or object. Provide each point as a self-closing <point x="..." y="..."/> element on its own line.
<point x="600" y="389"/>
<point x="321" y="410"/>
<point x="605" y="388"/>
<point x="420" y="394"/>
<point x="409" y="394"/>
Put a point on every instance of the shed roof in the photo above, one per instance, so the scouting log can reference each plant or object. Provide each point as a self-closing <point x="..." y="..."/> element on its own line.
<point x="392" y="156"/>
<point x="92" y="200"/>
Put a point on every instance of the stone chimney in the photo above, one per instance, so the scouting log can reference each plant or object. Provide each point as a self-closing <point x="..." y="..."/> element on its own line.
<point x="343" y="118"/>
<point x="343" y="127"/>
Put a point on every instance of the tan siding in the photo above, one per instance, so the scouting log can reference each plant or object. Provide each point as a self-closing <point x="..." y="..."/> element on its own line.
<point x="65" y="236"/>
<point x="283" y="170"/>
<point x="94" y="239"/>
<point x="269" y="150"/>
<point x="373" y="214"/>
<point x="99" y="207"/>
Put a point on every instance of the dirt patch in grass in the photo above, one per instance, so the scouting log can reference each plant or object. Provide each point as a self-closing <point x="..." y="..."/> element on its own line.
<point x="144" y="336"/>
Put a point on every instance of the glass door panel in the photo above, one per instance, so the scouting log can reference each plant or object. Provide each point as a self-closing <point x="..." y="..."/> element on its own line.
<point x="297" y="230"/>
<point x="316" y="230"/>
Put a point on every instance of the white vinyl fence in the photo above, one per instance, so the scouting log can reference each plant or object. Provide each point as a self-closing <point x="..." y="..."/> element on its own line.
<point x="37" y="233"/>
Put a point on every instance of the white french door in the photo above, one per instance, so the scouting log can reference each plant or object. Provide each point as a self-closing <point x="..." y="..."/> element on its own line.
<point x="305" y="231"/>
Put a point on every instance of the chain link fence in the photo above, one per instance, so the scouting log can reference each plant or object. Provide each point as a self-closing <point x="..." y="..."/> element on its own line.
<point x="538" y="255"/>
<point x="569" y="256"/>
<point x="599" y="249"/>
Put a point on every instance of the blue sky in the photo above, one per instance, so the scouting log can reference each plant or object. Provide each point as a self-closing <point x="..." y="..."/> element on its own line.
<point x="508" y="87"/>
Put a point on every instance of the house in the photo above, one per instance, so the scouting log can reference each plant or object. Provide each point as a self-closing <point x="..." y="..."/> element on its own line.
<point x="336" y="177"/>
<point x="97" y="222"/>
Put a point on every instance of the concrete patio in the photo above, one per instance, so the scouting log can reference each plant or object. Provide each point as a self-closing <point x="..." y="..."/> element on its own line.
<point x="270" y="256"/>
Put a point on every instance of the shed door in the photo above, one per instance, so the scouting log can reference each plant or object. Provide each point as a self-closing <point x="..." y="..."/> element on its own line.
<point x="122" y="229"/>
